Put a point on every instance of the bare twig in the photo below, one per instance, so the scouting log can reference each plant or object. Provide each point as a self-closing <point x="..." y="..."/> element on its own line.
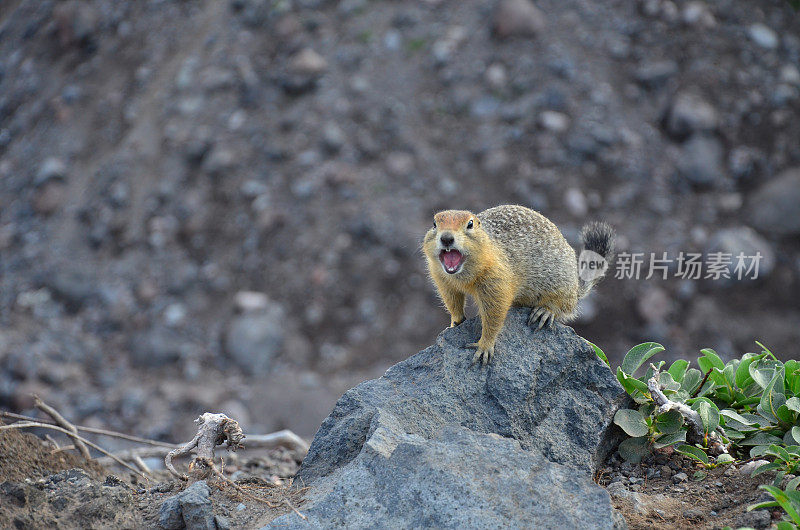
<point x="93" y="430"/>
<point x="26" y="424"/>
<point x="213" y="430"/>
<point x="690" y="415"/>
<point x="285" y="438"/>
<point x="699" y="388"/>
<point x="140" y="464"/>
<point x="70" y="429"/>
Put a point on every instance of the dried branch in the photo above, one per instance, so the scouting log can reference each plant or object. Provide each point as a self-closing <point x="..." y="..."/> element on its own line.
<point x="213" y="430"/>
<point x="93" y="430"/>
<point x="699" y="388"/>
<point x="284" y="438"/>
<point x="26" y="424"/>
<point x="696" y="430"/>
<point x="72" y="432"/>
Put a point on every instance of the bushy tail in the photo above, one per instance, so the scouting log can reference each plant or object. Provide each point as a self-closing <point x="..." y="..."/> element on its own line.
<point x="598" y="238"/>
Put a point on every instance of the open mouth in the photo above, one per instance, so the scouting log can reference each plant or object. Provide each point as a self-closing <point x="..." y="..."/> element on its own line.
<point x="451" y="260"/>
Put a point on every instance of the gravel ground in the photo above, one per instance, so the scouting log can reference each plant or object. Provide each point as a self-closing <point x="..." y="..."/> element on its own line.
<point x="217" y="205"/>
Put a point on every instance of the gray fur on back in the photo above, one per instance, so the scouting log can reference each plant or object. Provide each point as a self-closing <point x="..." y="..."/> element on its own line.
<point x="536" y="250"/>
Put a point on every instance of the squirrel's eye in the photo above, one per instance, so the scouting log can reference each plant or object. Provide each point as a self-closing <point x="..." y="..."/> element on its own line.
<point x="469" y="224"/>
<point x="434" y="224"/>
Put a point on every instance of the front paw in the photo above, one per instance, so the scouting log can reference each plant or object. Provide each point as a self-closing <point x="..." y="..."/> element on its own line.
<point x="454" y="323"/>
<point x="483" y="354"/>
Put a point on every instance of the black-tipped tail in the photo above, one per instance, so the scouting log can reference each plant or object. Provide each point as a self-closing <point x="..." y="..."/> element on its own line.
<point x="597" y="237"/>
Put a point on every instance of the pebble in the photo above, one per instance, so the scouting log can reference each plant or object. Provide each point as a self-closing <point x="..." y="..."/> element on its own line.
<point x="518" y="18"/>
<point x="308" y="62"/>
<point x="680" y="477"/>
<point x="700" y="162"/>
<point x="690" y="113"/>
<point x="748" y="468"/>
<point x="775" y="207"/>
<point x="763" y="36"/>
<point x="554" y="121"/>
<point x="655" y="74"/>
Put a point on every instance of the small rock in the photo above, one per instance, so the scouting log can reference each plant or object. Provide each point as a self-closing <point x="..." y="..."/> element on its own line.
<point x="754" y="519"/>
<point x="693" y="515"/>
<point x="253" y="339"/>
<point x="666" y="471"/>
<point x="308" y="62"/>
<point x="517" y="18"/>
<point x="775" y="208"/>
<point x="690" y="113"/>
<point x="698" y="14"/>
<point x="554" y="121"/>
<point x="333" y="138"/>
<point x="790" y="74"/>
<point x="701" y="160"/>
<point x="743" y="240"/>
<point x="748" y="468"/>
<point x="496" y="76"/>
<point x="49" y="197"/>
<point x="189" y="509"/>
<point x="575" y="201"/>
<point x="680" y="477"/>
<point x="157" y="347"/>
<point x="653" y="75"/>
<point x="655" y="304"/>
<point x="247" y="301"/>
<point x="51" y="168"/>
<point x="763" y="36"/>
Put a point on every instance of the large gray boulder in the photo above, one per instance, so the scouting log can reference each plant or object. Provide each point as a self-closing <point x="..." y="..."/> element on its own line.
<point x="437" y="442"/>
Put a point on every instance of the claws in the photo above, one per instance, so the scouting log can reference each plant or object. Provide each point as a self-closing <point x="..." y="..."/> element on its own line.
<point x="484" y="355"/>
<point x="453" y="323"/>
<point x="542" y="315"/>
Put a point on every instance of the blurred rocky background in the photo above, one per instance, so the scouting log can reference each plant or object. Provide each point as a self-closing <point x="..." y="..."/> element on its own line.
<point x="217" y="205"/>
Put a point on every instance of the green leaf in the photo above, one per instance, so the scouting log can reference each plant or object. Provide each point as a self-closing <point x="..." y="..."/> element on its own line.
<point x="792" y="369"/>
<point x="793" y="404"/>
<point x="784" y="414"/>
<point x="732" y="414"/>
<point x="633" y="449"/>
<point x="670" y="422"/>
<point x="762" y="505"/>
<point x="709" y="414"/>
<point x="733" y="435"/>
<point x="632" y="422"/>
<point x="761" y="438"/>
<point x="743" y="378"/>
<point x="792" y="484"/>
<point x="795" y="434"/>
<point x="772" y="466"/>
<point x="762" y="371"/>
<point x="670" y="439"/>
<point x="637" y="355"/>
<point x="786" y="525"/>
<point x="631" y="384"/>
<point x="678" y="369"/>
<point x="725" y="458"/>
<point x="693" y="452"/>
<point x="691" y="380"/>
<point x="668" y="384"/>
<point x="699" y="475"/>
<point x="783" y="499"/>
<point x="773" y="397"/>
<point x="599" y="353"/>
<point x="710" y="359"/>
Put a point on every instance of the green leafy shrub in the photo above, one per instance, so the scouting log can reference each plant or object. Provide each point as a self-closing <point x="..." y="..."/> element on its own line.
<point x="751" y="404"/>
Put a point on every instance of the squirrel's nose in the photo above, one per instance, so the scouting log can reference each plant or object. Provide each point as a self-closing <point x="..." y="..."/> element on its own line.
<point x="447" y="239"/>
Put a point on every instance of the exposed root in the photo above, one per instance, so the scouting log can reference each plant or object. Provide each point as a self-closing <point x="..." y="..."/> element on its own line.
<point x="70" y="429"/>
<point x="213" y="430"/>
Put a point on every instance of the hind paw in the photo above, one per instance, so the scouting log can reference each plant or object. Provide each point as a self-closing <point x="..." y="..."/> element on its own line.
<point x="540" y="317"/>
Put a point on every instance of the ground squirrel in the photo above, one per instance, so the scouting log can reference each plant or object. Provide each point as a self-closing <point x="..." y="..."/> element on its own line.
<point x="509" y="256"/>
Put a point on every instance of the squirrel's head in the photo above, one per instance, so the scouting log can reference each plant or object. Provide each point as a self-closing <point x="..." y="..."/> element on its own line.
<point x="453" y="234"/>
